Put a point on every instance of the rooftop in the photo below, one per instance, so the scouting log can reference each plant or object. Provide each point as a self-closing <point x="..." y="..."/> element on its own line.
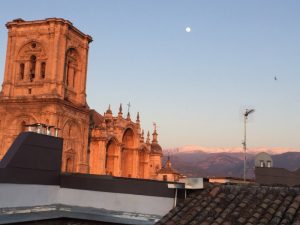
<point x="237" y="204"/>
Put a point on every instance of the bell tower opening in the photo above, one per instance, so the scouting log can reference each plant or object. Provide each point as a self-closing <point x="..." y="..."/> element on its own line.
<point x="43" y="70"/>
<point x="32" y="67"/>
<point x="22" y="68"/>
<point x="72" y="68"/>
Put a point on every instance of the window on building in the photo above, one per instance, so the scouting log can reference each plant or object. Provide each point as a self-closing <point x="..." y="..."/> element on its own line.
<point x="69" y="165"/>
<point x="32" y="67"/>
<point x="262" y="163"/>
<point x="165" y="177"/>
<point x="22" y="68"/>
<point x="74" y="79"/>
<point x="71" y="68"/>
<point x="157" y="167"/>
<point x="268" y="163"/>
<point x="68" y="73"/>
<point x="43" y="70"/>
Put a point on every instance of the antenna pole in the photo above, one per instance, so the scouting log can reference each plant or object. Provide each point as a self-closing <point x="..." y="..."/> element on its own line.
<point x="247" y="112"/>
<point x="245" y="147"/>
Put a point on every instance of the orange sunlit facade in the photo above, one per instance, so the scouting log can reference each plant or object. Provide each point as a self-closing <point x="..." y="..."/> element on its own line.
<point x="45" y="83"/>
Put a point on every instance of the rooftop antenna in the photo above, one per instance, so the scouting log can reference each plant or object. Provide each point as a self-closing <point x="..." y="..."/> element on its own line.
<point x="246" y="114"/>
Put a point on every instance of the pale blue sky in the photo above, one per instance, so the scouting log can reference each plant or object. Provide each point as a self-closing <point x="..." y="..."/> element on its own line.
<point x="194" y="85"/>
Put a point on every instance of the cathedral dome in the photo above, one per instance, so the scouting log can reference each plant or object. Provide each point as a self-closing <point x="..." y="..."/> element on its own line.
<point x="156" y="148"/>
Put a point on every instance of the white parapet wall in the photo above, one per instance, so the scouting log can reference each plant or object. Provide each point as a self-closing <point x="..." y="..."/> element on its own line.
<point x="30" y="195"/>
<point x="24" y="195"/>
<point x="116" y="201"/>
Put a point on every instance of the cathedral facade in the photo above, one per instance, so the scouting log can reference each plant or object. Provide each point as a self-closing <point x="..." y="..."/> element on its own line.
<point x="45" y="83"/>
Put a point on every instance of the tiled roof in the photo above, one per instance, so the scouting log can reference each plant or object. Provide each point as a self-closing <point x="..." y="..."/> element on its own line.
<point x="167" y="170"/>
<point x="96" y="117"/>
<point x="237" y="204"/>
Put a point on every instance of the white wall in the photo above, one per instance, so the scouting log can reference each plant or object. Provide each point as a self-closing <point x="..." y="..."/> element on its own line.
<point x="20" y="195"/>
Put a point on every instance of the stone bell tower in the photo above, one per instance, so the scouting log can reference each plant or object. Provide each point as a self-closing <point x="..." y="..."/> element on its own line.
<point x="46" y="58"/>
<point x="45" y="82"/>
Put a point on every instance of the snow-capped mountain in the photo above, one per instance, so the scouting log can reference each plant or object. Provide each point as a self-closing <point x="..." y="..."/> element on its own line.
<point x="195" y="148"/>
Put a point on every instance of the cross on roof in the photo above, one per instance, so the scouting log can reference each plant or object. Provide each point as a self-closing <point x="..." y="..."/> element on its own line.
<point x="154" y="125"/>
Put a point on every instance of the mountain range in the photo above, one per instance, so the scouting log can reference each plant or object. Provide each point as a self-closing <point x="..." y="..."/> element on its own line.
<point x="207" y="162"/>
<point x="195" y="148"/>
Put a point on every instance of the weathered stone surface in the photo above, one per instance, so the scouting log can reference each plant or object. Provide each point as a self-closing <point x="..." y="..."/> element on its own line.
<point x="45" y="83"/>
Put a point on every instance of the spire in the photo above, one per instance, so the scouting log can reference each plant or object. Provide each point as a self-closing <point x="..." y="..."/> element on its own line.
<point x="142" y="139"/>
<point x="154" y="135"/>
<point x="120" y="111"/>
<point x="108" y="111"/>
<point x="168" y="163"/>
<point x="138" y="118"/>
<point x="148" y="138"/>
<point x="128" y="116"/>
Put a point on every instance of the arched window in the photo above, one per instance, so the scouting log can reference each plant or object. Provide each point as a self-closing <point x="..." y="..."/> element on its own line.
<point x="43" y="70"/>
<point x="165" y="178"/>
<point x="68" y="73"/>
<point x="74" y="78"/>
<point x="69" y="165"/>
<point x="32" y="67"/>
<point x="71" y="67"/>
<point x="71" y="74"/>
<point x="127" y="161"/>
<point x="111" y="158"/>
<point x="22" y="68"/>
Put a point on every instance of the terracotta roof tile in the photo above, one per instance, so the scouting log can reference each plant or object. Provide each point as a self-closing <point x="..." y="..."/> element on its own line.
<point x="238" y="204"/>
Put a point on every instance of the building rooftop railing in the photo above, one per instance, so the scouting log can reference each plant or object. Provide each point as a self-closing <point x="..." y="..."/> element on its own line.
<point x="42" y="128"/>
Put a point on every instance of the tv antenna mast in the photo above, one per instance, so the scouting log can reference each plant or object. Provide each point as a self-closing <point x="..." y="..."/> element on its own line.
<point x="246" y="114"/>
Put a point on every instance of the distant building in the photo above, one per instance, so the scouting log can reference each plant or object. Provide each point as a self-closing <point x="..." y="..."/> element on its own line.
<point x="266" y="174"/>
<point x="277" y="176"/>
<point x="167" y="173"/>
<point x="45" y="83"/>
<point x="263" y="159"/>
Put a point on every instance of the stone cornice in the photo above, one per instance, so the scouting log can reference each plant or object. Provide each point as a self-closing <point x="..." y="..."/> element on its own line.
<point x="20" y="22"/>
<point x="45" y="101"/>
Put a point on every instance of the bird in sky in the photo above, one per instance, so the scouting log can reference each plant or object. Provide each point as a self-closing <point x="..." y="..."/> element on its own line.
<point x="275" y="78"/>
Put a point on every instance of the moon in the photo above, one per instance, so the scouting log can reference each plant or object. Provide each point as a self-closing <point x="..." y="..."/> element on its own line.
<point x="188" y="29"/>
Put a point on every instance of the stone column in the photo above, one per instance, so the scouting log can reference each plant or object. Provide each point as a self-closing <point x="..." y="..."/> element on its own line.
<point x="97" y="157"/>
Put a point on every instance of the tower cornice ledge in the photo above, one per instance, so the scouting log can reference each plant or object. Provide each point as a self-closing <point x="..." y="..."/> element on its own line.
<point x="46" y="101"/>
<point x="20" y="22"/>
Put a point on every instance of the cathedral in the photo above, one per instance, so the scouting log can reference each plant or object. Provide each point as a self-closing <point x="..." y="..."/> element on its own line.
<point x="45" y="85"/>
